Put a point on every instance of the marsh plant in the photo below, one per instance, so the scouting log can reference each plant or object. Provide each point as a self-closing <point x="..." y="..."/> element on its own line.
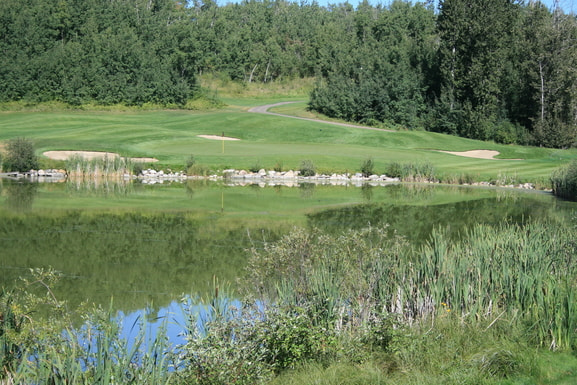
<point x="523" y="274"/>
<point x="472" y="309"/>
<point x="564" y="181"/>
<point x="412" y="171"/>
<point x="109" y="166"/>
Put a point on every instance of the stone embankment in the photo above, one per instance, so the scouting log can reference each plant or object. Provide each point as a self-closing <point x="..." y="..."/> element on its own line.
<point x="242" y="177"/>
<point x="292" y="178"/>
<point x="271" y="178"/>
<point x="151" y="176"/>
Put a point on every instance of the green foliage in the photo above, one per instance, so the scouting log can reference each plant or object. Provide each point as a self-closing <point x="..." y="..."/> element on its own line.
<point x="564" y="181"/>
<point x="250" y="344"/>
<point x="278" y="166"/>
<point x="137" y="168"/>
<point x="256" y="167"/>
<point x="411" y="172"/>
<point x="291" y="338"/>
<point x="110" y="165"/>
<point x="95" y="52"/>
<point x="190" y="161"/>
<point x="307" y="168"/>
<point x="12" y="321"/>
<point x="376" y="271"/>
<point x="20" y="155"/>
<point x="367" y="167"/>
<point x="198" y="169"/>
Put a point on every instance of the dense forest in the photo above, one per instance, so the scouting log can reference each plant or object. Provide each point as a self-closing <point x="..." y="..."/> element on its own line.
<point x="501" y="70"/>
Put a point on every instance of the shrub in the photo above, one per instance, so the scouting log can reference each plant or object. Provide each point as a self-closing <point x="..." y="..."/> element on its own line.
<point x="20" y="155"/>
<point x="307" y="168"/>
<point x="137" y="168"/>
<point x="291" y="338"/>
<point x="190" y="161"/>
<point x="394" y="170"/>
<point x="367" y="167"/>
<point x="228" y="353"/>
<point x="198" y="170"/>
<point x="278" y="166"/>
<point x="564" y="181"/>
<point x="255" y="167"/>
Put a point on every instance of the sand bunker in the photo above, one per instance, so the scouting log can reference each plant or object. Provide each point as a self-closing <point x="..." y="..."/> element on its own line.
<point x="217" y="137"/>
<point x="89" y="155"/>
<point x="479" y="154"/>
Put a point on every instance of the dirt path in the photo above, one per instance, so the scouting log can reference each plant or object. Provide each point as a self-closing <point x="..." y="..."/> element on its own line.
<point x="265" y="110"/>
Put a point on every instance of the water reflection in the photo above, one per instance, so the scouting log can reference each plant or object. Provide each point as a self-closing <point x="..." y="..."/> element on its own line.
<point x="146" y="244"/>
<point x="20" y="194"/>
<point x="99" y="186"/>
<point x="307" y="190"/>
<point x="367" y="192"/>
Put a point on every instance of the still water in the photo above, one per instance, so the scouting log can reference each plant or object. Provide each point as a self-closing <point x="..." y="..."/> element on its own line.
<point x="146" y="246"/>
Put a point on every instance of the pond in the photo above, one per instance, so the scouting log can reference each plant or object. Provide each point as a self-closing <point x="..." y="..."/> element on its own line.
<point x="146" y="246"/>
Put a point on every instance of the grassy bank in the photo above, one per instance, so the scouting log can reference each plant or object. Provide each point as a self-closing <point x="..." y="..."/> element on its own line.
<point x="172" y="136"/>
<point x="359" y="307"/>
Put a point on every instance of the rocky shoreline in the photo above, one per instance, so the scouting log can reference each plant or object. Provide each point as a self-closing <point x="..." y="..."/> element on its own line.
<point x="290" y="178"/>
<point x="262" y="178"/>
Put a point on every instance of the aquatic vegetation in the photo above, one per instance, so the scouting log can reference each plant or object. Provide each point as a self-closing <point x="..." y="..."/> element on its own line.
<point x="564" y="181"/>
<point x="109" y="166"/>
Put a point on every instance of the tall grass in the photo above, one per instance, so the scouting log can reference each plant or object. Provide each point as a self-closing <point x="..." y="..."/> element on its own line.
<point x="109" y="166"/>
<point x="97" y="354"/>
<point x="412" y="171"/>
<point x="357" y="297"/>
<point x="522" y="274"/>
<point x="564" y="181"/>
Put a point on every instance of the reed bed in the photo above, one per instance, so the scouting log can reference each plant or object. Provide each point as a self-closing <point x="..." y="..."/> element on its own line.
<point x="524" y="274"/>
<point x="321" y="298"/>
<point x="564" y="181"/>
<point x="109" y="166"/>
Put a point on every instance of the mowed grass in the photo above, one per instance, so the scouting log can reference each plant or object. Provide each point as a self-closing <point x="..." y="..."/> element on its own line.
<point x="267" y="140"/>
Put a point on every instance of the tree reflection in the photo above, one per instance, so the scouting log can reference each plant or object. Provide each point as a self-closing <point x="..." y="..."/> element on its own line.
<point x="367" y="192"/>
<point x="20" y="194"/>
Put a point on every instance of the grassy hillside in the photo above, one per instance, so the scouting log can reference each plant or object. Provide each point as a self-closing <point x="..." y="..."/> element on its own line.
<point x="266" y="140"/>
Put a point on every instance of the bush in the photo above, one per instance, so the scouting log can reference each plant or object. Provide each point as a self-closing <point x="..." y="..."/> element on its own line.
<point x="367" y="167"/>
<point x="190" y="161"/>
<point x="255" y="167"/>
<point x="251" y="344"/>
<point x="564" y="181"/>
<point x="198" y="170"/>
<point x="137" y="168"/>
<point x="20" y="155"/>
<point x="278" y="166"/>
<point x="307" y="168"/>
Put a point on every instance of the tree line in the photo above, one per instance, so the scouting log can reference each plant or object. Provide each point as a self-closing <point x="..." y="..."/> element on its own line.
<point x="500" y="70"/>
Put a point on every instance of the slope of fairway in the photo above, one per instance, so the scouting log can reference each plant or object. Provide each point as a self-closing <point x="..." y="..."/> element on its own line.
<point x="268" y="140"/>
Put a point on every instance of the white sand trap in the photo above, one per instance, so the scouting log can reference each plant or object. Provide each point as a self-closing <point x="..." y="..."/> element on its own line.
<point x="479" y="154"/>
<point x="217" y="137"/>
<point x="89" y="155"/>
